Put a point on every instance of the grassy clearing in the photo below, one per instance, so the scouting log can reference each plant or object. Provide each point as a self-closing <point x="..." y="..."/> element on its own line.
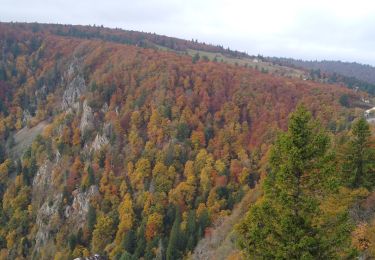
<point x="255" y="63"/>
<point x="24" y="138"/>
<point x="221" y="243"/>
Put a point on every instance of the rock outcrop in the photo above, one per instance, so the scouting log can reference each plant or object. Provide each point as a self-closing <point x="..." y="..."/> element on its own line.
<point x="47" y="201"/>
<point x="73" y="92"/>
<point x="102" y="139"/>
<point x="45" y="220"/>
<point x="99" y="142"/>
<point x="76" y="213"/>
<point x="94" y="257"/>
<point x="52" y="214"/>
<point x="42" y="183"/>
<point x="26" y="116"/>
<point x="87" y="118"/>
<point x="75" y="86"/>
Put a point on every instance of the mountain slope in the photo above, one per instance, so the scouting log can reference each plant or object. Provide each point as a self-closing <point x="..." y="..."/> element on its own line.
<point x="117" y="35"/>
<point x="142" y="146"/>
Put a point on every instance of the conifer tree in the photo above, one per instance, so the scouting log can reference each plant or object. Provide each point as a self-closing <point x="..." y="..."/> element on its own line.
<point x="359" y="163"/>
<point x="191" y="229"/>
<point x="91" y="176"/>
<point x="172" y="249"/>
<point x="129" y="241"/>
<point x="141" y="241"/>
<point x="281" y="225"/>
<point x="91" y="218"/>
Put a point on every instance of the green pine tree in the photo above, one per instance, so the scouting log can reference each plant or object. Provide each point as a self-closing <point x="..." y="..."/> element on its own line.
<point x="359" y="162"/>
<point x="196" y="57"/>
<point x="281" y="225"/>
<point x="141" y="242"/>
<point x="91" y="176"/>
<point x="91" y="218"/>
<point x="129" y="241"/>
<point x="126" y="256"/>
<point x="173" y="243"/>
<point x="191" y="230"/>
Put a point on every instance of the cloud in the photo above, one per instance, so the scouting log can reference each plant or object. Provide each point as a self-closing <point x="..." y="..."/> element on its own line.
<point x="301" y="29"/>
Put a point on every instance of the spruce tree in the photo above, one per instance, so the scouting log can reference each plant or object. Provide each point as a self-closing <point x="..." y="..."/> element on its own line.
<point x="141" y="242"/>
<point x="173" y="243"/>
<point x="196" y="57"/>
<point x="91" y="176"/>
<point x="91" y="218"/>
<point x="129" y="241"/>
<point x="191" y="230"/>
<point x="359" y="160"/>
<point x="281" y="225"/>
<point x="126" y="256"/>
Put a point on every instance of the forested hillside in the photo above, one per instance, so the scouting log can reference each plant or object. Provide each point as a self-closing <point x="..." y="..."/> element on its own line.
<point x="141" y="39"/>
<point x="138" y="152"/>
<point x="351" y="74"/>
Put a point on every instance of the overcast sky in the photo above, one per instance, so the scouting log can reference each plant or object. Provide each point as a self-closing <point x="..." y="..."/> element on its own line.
<point x="318" y="29"/>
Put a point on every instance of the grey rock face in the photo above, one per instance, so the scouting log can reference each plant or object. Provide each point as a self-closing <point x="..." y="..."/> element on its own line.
<point x="26" y="116"/>
<point x="45" y="219"/>
<point x="76" y="213"/>
<point x="73" y="92"/>
<point x="44" y="194"/>
<point x="94" y="257"/>
<point x="99" y="142"/>
<point x="75" y="87"/>
<point x="87" y="118"/>
<point x="102" y="139"/>
<point x="42" y="183"/>
<point x="105" y="108"/>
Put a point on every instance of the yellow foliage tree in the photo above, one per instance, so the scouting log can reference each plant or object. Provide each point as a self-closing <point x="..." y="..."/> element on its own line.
<point x="4" y="168"/>
<point x="163" y="180"/>
<point x="182" y="195"/>
<point x="141" y="173"/>
<point x="126" y="217"/>
<point x="189" y="172"/>
<point x="102" y="234"/>
<point x="153" y="226"/>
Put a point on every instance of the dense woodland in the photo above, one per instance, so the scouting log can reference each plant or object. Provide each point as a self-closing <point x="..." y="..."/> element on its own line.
<point x="142" y="151"/>
<point x="141" y="39"/>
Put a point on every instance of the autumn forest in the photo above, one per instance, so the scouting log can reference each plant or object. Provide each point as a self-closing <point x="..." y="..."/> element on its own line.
<point x="111" y="146"/>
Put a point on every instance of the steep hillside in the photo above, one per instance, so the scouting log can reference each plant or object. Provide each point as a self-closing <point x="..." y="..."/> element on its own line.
<point x="353" y="75"/>
<point x="197" y="50"/>
<point x="142" y="149"/>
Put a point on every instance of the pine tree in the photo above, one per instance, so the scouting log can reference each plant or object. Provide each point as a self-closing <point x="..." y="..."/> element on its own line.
<point x="91" y="176"/>
<point x="359" y="163"/>
<point x="191" y="229"/>
<point x="203" y="222"/>
<point x="91" y="218"/>
<point x="173" y="244"/>
<point x="282" y="225"/>
<point x="72" y="241"/>
<point x="141" y="241"/>
<point x="126" y="256"/>
<point x="129" y="241"/>
<point x="196" y="57"/>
